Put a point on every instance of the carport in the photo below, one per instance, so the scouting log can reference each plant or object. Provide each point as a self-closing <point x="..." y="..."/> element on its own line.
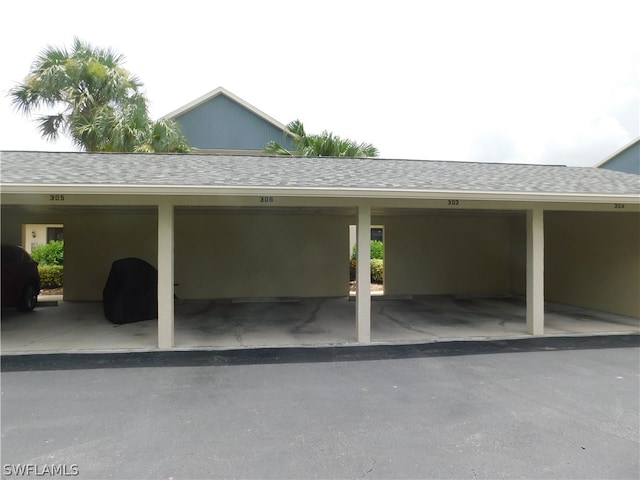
<point x="225" y="231"/>
<point x="309" y="322"/>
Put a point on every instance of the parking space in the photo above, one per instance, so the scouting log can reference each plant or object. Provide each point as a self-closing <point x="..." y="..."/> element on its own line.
<point x="60" y="326"/>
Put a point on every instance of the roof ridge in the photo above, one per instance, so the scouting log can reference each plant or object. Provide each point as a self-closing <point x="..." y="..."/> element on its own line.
<point x="223" y="91"/>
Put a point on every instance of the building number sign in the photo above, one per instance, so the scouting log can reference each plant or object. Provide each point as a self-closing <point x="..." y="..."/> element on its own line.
<point x="56" y="197"/>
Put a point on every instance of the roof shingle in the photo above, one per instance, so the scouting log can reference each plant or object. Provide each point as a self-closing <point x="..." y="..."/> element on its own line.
<point x="137" y="169"/>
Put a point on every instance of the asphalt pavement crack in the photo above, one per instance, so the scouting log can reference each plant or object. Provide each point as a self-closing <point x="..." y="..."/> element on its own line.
<point x="373" y="467"/>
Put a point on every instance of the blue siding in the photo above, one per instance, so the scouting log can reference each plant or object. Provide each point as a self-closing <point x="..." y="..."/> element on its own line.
<point x="223" y="123"/>
<point x="627" y="161"/>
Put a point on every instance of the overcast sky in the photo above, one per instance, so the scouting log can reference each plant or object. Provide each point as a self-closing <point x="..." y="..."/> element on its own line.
<point x="553" y="82"/>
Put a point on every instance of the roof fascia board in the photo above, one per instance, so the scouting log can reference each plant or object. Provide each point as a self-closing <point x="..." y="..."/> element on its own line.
<point x="222" y="91"/>
<point x="86" y="189"/>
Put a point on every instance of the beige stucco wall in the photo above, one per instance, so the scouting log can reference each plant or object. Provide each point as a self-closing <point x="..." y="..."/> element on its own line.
<point x="518" y="254"/>
<point x="94" y="239"/>
<point x="458" y="254"/>
<point x="225" y="255"/>
<point x="593" y="260"/>
<point x="217" y="255"/>
<point x="13" y="220"/>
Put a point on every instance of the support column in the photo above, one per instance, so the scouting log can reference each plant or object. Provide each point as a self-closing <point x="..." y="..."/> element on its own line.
<point x="535" y="271"/>
<point x="165" y="276"/>
<point x="363" y="275"/>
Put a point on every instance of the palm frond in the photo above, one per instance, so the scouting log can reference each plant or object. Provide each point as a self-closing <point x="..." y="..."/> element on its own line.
<point x="325" y="144"/>
<point x="274" y="148"/>
<point x="50" y="125"/>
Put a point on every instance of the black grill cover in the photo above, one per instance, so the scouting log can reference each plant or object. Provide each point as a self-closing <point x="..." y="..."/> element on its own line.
<point x="131" y="292"/>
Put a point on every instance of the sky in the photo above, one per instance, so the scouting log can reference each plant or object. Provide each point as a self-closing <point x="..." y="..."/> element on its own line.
<point x="547" y="82"/>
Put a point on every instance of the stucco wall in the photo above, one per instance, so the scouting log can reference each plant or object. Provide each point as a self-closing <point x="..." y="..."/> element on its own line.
<point x="518" y="258"/>
<point x="225" y="255"/>
<point x="459" y="254"/>
<point x="13" y="220"/>
<point x="593" y="260"/>
<point x="93" y="240"/>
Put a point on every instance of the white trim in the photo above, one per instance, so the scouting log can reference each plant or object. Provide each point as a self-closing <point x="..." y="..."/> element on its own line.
<point x="165" y="276"/>
<point x="197" y="190"/>
<point x="535" y="271"/>
<point x="222" y="91"/>
<point x="363" y="275"/>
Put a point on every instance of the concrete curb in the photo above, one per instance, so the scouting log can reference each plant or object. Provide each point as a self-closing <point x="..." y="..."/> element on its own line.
<point x="274" y="355"/>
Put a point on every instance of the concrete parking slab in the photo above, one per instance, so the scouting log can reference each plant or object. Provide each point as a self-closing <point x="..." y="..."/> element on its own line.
<point x="252" y="323"/>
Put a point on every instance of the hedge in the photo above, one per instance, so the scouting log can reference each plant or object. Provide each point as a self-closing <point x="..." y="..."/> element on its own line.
<point x="51" y="276"/>
<point x="377" y="250"/>
<point x="377" y="270"/>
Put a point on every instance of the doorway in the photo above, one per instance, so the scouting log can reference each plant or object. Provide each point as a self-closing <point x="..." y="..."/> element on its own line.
<point x="45" y="243"/>
<point x="377" y="242"/>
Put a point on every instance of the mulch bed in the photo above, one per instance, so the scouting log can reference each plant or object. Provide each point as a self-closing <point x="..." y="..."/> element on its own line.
<point x="375" y="287"/>
<point x="51" y="291"/>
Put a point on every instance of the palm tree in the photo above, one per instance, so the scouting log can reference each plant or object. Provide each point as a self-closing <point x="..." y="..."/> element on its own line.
<point x="324" y="145"/>
<point x="163" y="136"/>
<point x="99" y="104"/>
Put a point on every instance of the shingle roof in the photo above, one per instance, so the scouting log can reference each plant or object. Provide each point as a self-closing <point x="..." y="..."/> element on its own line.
<point x="137" y="169"/>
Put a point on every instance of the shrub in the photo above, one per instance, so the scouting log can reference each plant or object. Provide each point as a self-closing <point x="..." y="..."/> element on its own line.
<point x="51" y="276"/>
<point x="377" y="250"/>
<point x="377" y="270"/>
<point x="50" y="254"/>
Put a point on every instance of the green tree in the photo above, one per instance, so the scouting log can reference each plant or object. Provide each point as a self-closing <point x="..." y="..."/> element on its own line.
<point x="325" y="144"/>
<point x="95" y="101"/>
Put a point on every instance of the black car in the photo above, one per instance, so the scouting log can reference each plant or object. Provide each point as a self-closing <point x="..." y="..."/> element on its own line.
<point x="20" y="279"/>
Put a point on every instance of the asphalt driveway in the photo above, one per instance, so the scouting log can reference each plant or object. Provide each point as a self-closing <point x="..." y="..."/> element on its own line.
<point x="559" y="413"/>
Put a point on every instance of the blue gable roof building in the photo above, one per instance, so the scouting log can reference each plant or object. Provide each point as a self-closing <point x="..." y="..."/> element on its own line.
<point x="627" y="159"/>
<point x="221" y="122"/>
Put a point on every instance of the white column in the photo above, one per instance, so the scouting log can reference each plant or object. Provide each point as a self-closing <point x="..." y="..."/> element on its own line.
<point x="535" y="271"/>
<point x="363" y="275"/>
<point x="165" y="276"/>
